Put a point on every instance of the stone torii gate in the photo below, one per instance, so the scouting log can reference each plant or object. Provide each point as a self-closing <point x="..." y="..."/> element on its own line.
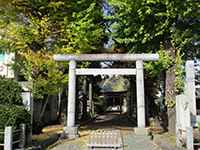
<point x="71" y="129"/>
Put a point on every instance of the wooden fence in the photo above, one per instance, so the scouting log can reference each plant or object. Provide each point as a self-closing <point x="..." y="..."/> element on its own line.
<point x="13" y="137"/>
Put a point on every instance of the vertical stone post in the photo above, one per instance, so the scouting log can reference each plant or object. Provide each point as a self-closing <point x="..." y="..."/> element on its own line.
<point x="71" y="94"/>
<point x="189" y="138"/>
<point x="129" y="102"/>
<point x="85" y="85"/>
<point x="71" y="130"/>
<point x="190" y="89"/>
<point x="183" y="118"/>
<point x="22" y="136"/>
<point x="90" y="99"/>
<point x="8" y="138"/>
<point x="178" y="121"/>
<point x="29" y="138"/>
<point x="140" y="94"/>
<point x="85" y="101"/>
<point x="28" y="103"/>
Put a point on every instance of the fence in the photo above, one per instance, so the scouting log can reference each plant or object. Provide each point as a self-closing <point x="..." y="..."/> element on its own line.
<point x="1" y="135"/>
<point x="109" y="140"/>
<point x="13" y="137"/>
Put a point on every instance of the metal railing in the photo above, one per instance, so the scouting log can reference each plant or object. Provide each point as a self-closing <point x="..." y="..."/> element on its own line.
<point x="1" y="135"/>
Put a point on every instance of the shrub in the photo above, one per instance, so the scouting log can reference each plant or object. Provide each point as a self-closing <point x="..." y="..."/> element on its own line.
<point x="10" y="92"/>
<point x="13" y="116"/>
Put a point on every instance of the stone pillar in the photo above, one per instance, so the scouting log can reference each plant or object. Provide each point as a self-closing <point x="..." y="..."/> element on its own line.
<point x="85" y="85"/>
<point x="189" y="138"/>
<point x="90" y="99"/>
<point x="140" y="94"/>
<point x="85" y="108"/>
<point x="27" y="98"/>
<point x="178" y="121"/>
<point x="129" y="104"/>
<point x="22" y="143"/>
<point x="71" y="130"/>
<point x="8" y="138"/>
<point x="183" y="119"/>
<point x="190" y="89"/>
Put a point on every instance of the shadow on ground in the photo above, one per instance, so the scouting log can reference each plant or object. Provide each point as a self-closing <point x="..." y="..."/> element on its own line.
<point x="110" y="120"/>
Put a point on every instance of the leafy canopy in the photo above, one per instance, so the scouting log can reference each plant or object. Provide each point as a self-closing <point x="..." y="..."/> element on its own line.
<point x="141" y="25"/>
<point x="36" y="29"/>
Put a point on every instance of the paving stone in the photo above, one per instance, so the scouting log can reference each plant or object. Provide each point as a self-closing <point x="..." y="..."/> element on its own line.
<point x="107" y="122"/>
<point x="131" y="142"/>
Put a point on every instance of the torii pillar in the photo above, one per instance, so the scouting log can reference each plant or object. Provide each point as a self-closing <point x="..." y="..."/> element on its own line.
<point x="71" y="130"/>
<point x="140" y="94"/>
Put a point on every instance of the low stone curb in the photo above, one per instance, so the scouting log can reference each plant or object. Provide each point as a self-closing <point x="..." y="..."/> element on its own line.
<point x="44" y="144"/>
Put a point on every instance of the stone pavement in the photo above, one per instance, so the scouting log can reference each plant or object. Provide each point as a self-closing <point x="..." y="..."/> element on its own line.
<point x="136" y="142"/>
<point x="109" y="121"/>
<point x="131" y="142"/>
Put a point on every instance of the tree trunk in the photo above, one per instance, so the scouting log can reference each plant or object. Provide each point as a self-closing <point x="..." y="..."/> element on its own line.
<point x="44" y="108"/>
<point x="170" y="93"/>
<point x="59" y="105"/>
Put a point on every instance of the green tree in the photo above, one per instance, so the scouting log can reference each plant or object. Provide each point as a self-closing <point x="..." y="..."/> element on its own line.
<point x="37" y="29"/>
<point x="147" y="25"/>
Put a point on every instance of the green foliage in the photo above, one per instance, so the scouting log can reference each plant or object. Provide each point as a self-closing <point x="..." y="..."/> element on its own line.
<point x="198" y="126"/>
<point x="35" y="30"/>
<point x="169" y="28"/>
<point x="170" y="103"/>
<point x="179" y="82"/>
<point x="10" y="92"/>
<point x="10" y="113"/>
<point x="60" y="26"/>
<point x="140" y="25"/>
<point x="46" y="77"/>
<point x="13" y="116"/>
<point x="85" y="33"/>
<point x="164" y="62"/>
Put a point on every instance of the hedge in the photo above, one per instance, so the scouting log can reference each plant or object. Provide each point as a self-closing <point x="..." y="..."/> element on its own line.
<point x="10" y="92"/>
<point x="13" y="116"/>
